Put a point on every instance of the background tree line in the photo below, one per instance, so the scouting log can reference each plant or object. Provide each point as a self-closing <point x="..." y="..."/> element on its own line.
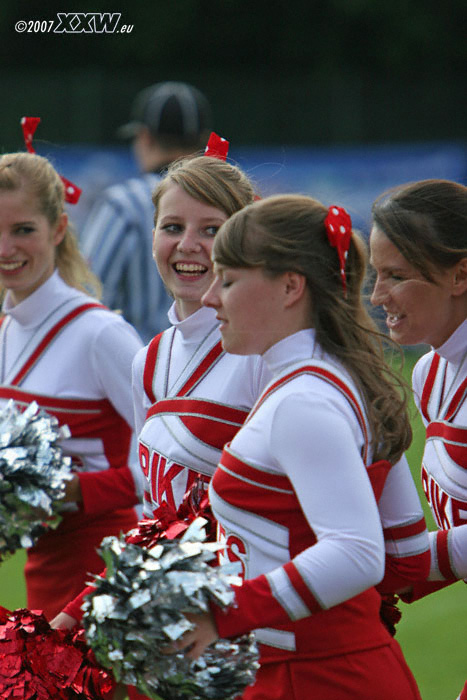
<point x="276" y="72"/>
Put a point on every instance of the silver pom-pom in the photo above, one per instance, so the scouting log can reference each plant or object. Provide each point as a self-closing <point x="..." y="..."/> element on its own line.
<point x="137" y="610"/>
<point x="33" y="475"/>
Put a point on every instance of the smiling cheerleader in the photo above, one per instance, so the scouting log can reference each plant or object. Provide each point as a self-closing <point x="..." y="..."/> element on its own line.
<point x="419" y="252"/>
<point x="55" y="343"/>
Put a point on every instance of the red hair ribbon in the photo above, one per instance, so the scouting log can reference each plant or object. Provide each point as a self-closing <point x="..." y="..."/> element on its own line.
<point x="29" y="126"/>
<point x="339" y="229"/>
<point x="217" y="147"/>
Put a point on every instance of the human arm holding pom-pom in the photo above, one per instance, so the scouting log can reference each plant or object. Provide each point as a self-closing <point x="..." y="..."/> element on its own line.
<point x="197" y="640"/>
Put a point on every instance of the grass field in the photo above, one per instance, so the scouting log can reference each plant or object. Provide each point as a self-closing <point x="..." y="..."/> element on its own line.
<point x="431" y="631"/>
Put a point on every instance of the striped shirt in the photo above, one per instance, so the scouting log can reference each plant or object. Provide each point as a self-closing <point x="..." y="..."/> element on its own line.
<point x="117" y="241"/>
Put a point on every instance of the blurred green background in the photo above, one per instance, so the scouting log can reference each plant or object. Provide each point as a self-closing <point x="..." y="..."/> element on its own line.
<point x="322" y="72"/>
<point x="431" y="631"/>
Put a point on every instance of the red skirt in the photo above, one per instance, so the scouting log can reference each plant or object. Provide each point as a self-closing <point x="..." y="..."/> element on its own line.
<point x="380" y="673"/>
<point x="61" y="563"/>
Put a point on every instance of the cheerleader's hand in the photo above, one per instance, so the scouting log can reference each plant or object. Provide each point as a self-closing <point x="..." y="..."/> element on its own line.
<point x="73" y="490"/>
<point x="63" y="621"/>
<point x="194" y="642"/>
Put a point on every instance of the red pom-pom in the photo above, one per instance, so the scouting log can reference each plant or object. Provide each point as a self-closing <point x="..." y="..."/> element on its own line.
<point x="170" y="524"/>
<point x="41" y="663"/>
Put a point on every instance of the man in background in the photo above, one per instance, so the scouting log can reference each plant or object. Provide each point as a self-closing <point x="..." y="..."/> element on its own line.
<point x="168" y="120"/>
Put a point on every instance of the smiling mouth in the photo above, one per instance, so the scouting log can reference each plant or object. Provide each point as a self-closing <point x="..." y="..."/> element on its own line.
<point x="10" y="267"/>
<point x="393" y="319"/>
<point x="190" y="269"/>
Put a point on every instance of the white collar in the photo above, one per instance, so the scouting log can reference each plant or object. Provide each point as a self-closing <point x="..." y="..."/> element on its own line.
<point x="194" y="327"/>
<point x="455" y="347"/>
<point x="30" y="312"/>
<point x="294" y="348"/>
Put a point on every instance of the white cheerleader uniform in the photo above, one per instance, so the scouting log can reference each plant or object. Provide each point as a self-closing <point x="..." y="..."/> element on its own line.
<point x="73" y="357"/>
<point x="294" y="499"/>
<point x="440" y="392"/>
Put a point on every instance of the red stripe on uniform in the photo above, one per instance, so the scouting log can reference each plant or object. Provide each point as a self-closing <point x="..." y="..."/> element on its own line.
<point x="457" y="400"/>
<point x="405" y="531"/>
<point x="93" y="419"/>
<point x="53" y="404"/>
<point x="207" y="409"/>
<point x="331" y="379"/>
<point x="214" y="435"/>
<point x="378" y="473"/>
<point x="202" y="368"/>
<point x="265" y="496"/>
<point x="428" y="386"/>
<point x="442" y="551"/>
<point x="261" y="478"/>
<point x="454" y="441"/>
<point x="300" y="586"/>
<point x="50" y="336"/>
<point x="149" y="367"/>
<point x="446" y="432"/>
<point x="239" y="494"/>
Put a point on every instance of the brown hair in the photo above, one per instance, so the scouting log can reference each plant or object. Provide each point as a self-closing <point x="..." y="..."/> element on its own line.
<point x="208" y="180"/>
<point x="287" y="233"/>
<point x="36" y="174"/>
<point x="427" y="222"/>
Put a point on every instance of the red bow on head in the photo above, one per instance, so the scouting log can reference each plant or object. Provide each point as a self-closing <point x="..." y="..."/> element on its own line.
<point x="29" y="126"/>
<point x="339" y="229"/>
<point x="217" y="147"/>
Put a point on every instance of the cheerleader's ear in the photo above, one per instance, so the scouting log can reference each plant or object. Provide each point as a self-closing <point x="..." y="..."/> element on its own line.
<point x="460" y="278"/>
<point x="60" y="229"/>
<point x="295" y="287"/>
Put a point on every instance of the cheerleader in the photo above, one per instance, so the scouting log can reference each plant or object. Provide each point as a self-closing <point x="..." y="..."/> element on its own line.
<point x="63" y="349"/>
<point x="190" y="396"/>
<point x="295" y="489"/>
<point x="419" y="252"/>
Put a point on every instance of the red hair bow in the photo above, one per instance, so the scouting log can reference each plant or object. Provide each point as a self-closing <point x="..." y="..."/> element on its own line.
<point x="339" y="229"/>
<point x="29" y="126"/>
<point x="217" y="147"/>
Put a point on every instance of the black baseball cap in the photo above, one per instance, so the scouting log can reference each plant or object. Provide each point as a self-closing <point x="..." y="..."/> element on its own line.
<point x="175" y="112"/>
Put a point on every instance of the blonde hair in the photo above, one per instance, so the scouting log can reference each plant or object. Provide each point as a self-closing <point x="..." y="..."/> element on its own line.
<point x="208" y="180"/>
<point x="287" y="233"/>
<point x="36" y="174"/>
